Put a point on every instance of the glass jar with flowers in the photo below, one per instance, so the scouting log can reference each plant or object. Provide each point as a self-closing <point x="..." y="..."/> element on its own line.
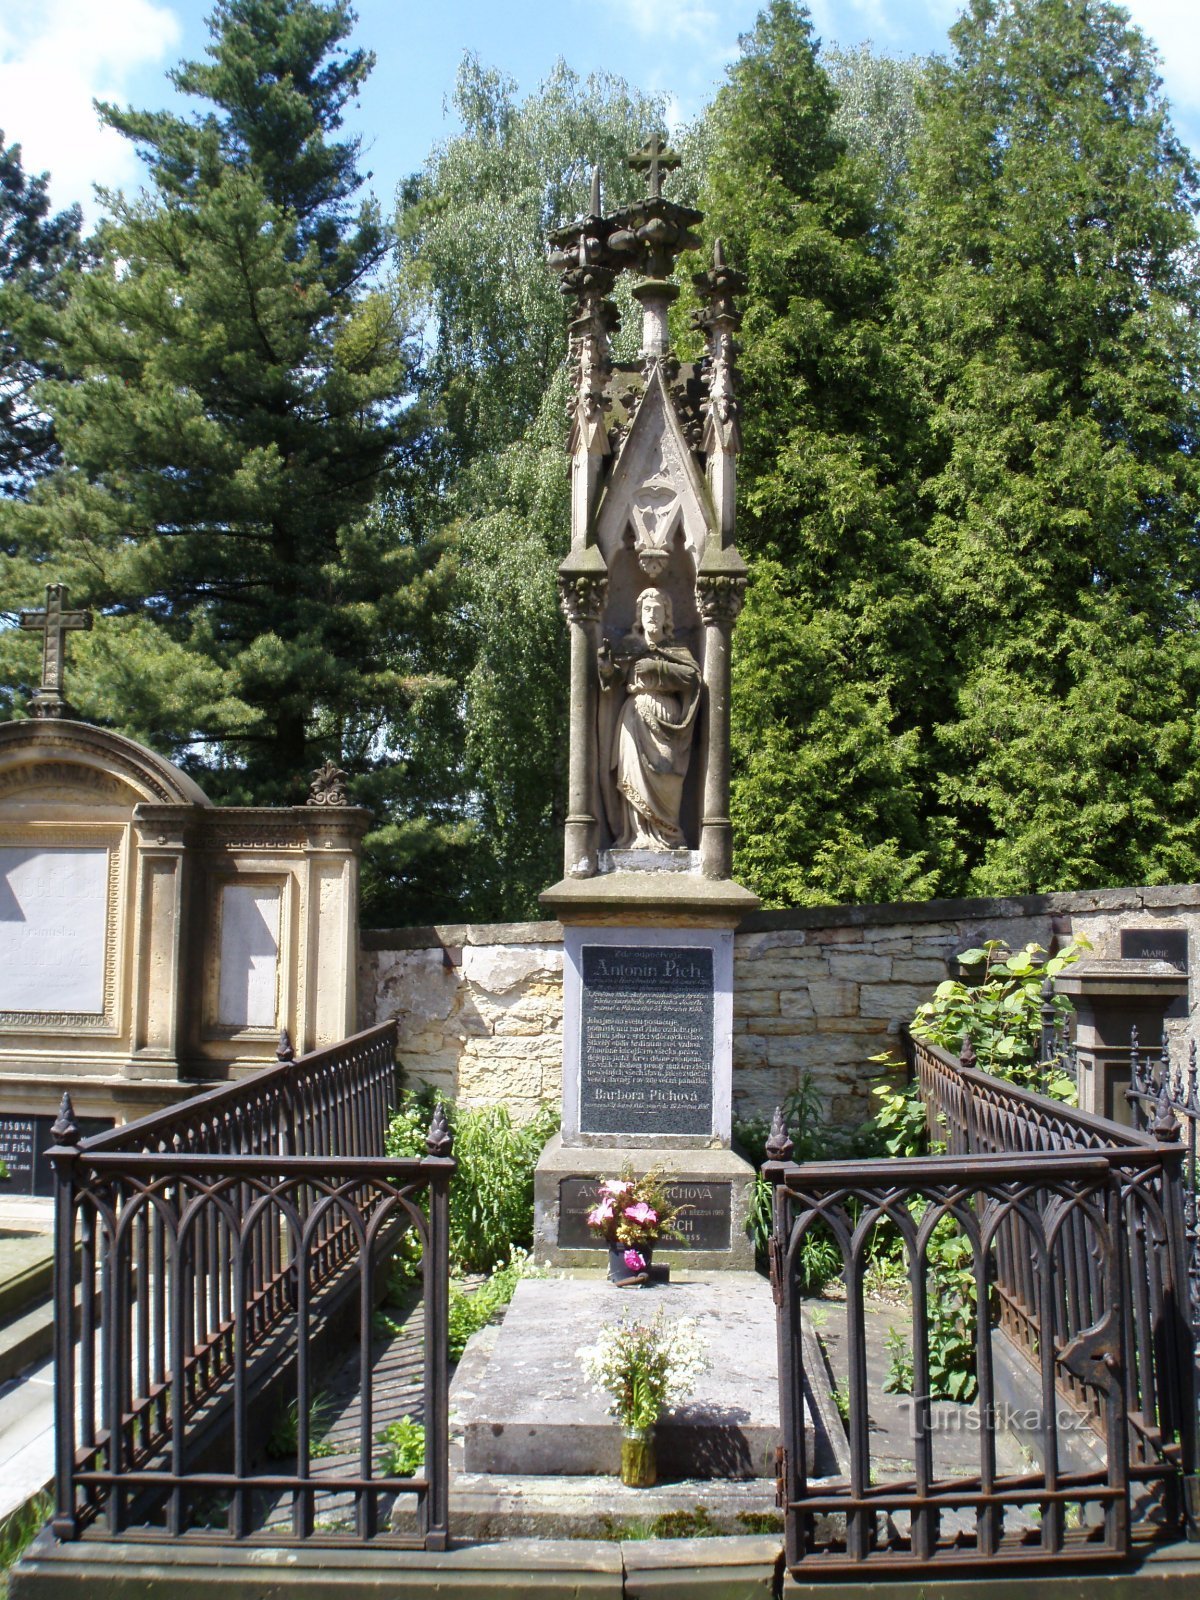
<point x="631" y="1215"/>
<point x="644" y="1366"/>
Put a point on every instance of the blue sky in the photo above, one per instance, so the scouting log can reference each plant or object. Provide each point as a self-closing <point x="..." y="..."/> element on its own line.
<point x="56" y="55"/>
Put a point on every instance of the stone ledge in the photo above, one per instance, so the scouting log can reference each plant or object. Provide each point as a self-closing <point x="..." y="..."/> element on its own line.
<point x="737" y="1568"/>
<point x="454" y="935"/>
<point x="647" y="898"/>
<point x="1184" y="896"/>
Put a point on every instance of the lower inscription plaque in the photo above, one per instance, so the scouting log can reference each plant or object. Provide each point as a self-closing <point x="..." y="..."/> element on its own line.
<point x="706" y="1223"/>
<point x="646" y="1041"/>
<point x="23" y="1145"/>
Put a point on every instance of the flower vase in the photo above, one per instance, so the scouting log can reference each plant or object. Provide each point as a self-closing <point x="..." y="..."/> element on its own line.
<point x="621" y="1271"/>
<point x="639" y="1464"/>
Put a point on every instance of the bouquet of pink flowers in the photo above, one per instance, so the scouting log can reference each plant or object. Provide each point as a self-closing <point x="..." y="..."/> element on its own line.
<point x="634" y="1212"/>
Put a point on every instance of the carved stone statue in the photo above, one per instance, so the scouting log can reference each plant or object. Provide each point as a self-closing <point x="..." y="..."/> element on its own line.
<point x="653" y="733"/>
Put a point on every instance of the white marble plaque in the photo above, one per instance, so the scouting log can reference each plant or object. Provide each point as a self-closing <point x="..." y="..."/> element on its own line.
<point x="249" y="955"/>
<point x="53" y="915"/>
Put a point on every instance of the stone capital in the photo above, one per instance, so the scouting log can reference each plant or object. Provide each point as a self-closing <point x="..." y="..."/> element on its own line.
<point x="720" y="598"/>
<point x="581" y="596"/>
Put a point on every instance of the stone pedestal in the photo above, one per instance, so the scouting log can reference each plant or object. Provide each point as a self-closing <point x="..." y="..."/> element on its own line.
<point x="647" y="1061"/>
<point x="1111" y="998"/>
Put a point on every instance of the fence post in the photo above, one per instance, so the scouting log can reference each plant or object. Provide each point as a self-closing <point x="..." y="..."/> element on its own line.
<point x="64" y="1153"/>
<point x="440" y="1165"/>
<point x="791" y="1467"/>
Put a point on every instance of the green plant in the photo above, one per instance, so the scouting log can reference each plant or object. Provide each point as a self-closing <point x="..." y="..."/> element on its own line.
<point x="18" y="1531"/>
<point x="404" y="1449"/>
<point x="900" y="1375"/>
<point x="952" y="1317"/>
<point x="491" y="1199"/>
<point x="1000" y="1011"/>
<point x="841" y="1401"/>
<point x="284" y="1438"/>
<point x="472" y="1309"/>
<point x="900" y="1114"/>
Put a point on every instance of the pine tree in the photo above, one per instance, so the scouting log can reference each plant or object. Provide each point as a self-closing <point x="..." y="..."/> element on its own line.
<point x="238" y="453"/>
<point x="36" y="250"/>
<point x="835" y="667"/>
<point x="1051" y="308"/>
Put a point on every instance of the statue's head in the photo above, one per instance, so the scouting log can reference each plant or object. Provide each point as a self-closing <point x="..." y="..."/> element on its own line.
<point x="655" y="617"/>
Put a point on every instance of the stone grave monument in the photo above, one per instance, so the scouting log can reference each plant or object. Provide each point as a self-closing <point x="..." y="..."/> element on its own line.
<point x="1143" y="989"/>
<point x="151" y="943"/>
<point x="651" y="590"/>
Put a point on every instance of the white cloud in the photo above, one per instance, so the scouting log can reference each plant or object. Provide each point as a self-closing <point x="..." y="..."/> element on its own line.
<point x="56" y="56"/>
<point x="672" y="19"/>
<point x="1172" y="24"/>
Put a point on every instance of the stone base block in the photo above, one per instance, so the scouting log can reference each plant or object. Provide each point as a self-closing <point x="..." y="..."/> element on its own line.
<point x="529" y="1409"/>
<point x="716" y="1185"/>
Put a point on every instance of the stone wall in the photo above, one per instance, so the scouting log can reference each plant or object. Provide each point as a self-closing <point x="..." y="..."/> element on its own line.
<point x="817" y="991"/>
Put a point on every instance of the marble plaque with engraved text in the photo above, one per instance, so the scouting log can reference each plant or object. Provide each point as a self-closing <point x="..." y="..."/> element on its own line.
<point x="646" y="1040"/>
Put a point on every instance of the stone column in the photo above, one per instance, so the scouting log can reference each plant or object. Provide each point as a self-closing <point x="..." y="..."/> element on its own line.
<point x="721" y="580"/>
<point x="582" y="586"/>
<point x="720" y="600"/>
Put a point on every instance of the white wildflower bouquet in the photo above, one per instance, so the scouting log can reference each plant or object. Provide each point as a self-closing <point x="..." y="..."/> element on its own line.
<point x="645" y="1365"/>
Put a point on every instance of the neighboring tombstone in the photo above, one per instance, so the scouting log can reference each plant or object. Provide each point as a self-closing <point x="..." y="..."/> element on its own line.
<point x="1111" y="999"/>
<point x="150" y="942"/>
<point x="651" y="589"/>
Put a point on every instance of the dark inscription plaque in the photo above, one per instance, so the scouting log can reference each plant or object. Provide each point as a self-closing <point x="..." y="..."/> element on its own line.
<point x="706" y="1224"/>
<point x="646" y="1042"/>
<point x="23" y="1145"/>
<point x="1156" y="944"/>
<point x="18" y="1138"/>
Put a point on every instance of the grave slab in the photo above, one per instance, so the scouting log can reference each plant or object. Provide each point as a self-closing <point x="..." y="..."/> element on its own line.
<point x="532" y="1411"/>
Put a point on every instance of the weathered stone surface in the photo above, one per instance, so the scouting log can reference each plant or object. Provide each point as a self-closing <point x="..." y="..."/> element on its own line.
<point x="532" y="1410"/>
<point x="499" y="968"/>
<point x="895" y="1001"/>
<point x="833" y="997"/>
<point x="755" y="1002"/>
<point x="860" y="967"/>
<point x="795" y="1003"/>
<point x="416" y="983"/>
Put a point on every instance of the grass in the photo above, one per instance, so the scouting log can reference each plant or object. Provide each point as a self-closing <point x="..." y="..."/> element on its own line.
<point x="284" y="1439"/>
<point x="18" y="1532"/>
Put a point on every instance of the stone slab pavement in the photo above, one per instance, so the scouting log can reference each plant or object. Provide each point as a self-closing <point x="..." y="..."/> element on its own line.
<point x="26" y="1437"/>
<point x="532" y="1410"/>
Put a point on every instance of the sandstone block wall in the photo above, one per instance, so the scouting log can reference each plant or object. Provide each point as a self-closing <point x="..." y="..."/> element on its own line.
<point x="817" y="992"/>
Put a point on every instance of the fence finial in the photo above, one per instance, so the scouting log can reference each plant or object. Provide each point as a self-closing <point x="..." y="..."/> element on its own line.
<point x="439" y="1141"/>
<point x="65" y="1130"/>
<point x="966" y="1055"/>
<point x="779" y="1143"/>
<point x="284" y="1050"/>
<point x="1166" y="1123"/>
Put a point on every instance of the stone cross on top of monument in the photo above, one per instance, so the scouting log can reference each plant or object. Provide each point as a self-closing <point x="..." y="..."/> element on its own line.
<point x="54" y="623"/>
<point x="654" y="158"/>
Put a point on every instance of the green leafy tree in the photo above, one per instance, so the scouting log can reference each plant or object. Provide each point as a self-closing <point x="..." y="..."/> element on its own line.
<point x="876" y="106"/>
<point x="239" y="462"/>
<point x="1049" y="300"/>
<point x="36" y="251"/>
<point x="835" y="667"/>
<point x="472" y="229"/>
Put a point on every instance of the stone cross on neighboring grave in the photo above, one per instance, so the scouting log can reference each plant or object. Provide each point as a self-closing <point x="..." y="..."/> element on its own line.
<point x="54" y="623"/>
<point x="654" y="158"/>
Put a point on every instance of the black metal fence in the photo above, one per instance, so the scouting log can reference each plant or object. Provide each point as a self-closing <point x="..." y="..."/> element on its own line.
<point x="216" y="1263"/>
<point x="1069" y="1231"/>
